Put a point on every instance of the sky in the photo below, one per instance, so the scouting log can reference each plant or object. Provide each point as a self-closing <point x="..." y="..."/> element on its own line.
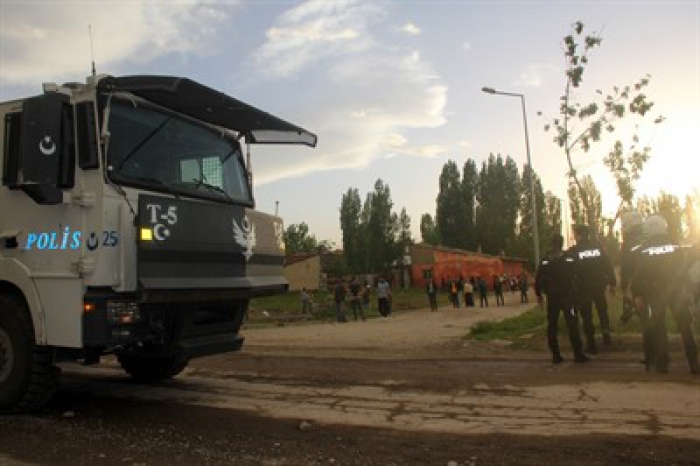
<point x="391" y="88"/>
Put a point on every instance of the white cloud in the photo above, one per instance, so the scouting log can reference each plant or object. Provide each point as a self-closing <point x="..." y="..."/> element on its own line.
<point x="45" y="41"/>
<point x="312" y="32"/>
<point x="535" y="74"/>
<point x="411" y="29"/>
<point x="366" y="104"/>
<point x="397" y="144"/>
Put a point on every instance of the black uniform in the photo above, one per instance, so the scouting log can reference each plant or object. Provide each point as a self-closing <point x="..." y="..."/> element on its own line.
<point x="660" y="279"/>
<point x="555" y="279"/>
<point x="593" y="271"/>
<point x="628" y="249"/>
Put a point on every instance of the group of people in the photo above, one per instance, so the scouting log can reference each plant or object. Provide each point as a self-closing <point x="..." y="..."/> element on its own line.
<point x="655" y="274"/>
<point x="478" y="286"/>
<point x="359" y="298"/>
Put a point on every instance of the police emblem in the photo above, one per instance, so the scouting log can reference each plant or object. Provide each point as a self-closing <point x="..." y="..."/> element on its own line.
<point x="244" y="235"/>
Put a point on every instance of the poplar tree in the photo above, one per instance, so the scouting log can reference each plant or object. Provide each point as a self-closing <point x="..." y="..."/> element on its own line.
<point x="351" y="228"/>
<point x="470" y="187"/>
<point x="381" y="229"/>
<point x="428" y="230"/>
<point x="525" y="230"/>
<point x="589" y="211"/>
<point x="498" y="204"/>
<point x="450" y="215"/>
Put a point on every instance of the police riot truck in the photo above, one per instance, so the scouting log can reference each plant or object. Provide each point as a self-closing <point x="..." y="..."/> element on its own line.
<point x="127" y="228"/>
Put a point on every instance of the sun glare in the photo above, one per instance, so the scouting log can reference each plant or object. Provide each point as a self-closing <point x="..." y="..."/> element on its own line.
<point x="675" y="161"/>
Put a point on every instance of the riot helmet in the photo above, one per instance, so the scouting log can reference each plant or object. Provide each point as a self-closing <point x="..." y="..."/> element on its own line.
<point x="655" y="225"/>
<point x="631" y="221"/>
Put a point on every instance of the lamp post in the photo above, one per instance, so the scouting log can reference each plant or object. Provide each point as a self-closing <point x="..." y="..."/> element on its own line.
<point x="533" y="198"/>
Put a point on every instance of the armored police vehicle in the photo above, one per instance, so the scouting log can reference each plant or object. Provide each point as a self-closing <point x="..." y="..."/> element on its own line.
<point x="127" y="227"/>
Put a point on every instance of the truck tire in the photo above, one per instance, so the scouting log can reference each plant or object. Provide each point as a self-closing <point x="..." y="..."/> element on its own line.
<point x="150" y="369"/>
<point x="28" y="378"/>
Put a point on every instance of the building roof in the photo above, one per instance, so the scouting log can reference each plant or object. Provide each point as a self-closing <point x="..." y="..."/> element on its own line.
<point x="299" y="257"/>
<point x="466" y="252"/>
<point x="302" y="256"/>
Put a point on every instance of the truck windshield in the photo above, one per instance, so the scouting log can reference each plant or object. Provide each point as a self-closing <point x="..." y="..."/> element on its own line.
<point x="164" y="152"/>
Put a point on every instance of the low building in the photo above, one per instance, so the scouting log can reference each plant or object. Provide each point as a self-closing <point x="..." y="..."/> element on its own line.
<point x="312" y="270"/>
<point x="444" y="264"/>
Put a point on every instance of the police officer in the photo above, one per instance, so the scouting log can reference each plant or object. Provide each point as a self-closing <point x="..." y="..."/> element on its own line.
<point x="660" y="280"/>
<point x="593" y="271"/>
<point x="555" y="279"/>
<point x="631" y="239"/>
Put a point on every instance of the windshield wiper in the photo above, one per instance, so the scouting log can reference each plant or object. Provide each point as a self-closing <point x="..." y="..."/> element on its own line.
<point x="160" y="183"/>
<point x="212" y="187"/>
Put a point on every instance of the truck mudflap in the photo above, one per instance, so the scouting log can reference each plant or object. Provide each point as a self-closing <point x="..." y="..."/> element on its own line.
<point x="185" y="244"/>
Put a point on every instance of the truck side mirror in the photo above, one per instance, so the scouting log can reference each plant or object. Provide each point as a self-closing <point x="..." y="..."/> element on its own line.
<point x="46" y="143"/>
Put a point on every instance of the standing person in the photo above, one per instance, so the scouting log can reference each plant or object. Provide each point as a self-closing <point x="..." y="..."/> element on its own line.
<point x="498" y="291"/>
<point x="365" y="296"/>
<point x="356" y="299"/>
<point x="431" y="289"/>
<point x="339" y="301"/>
<point x="555" y="279"/>
<point x="383" y="297"/>
<point x="305" y="298"/>
<point x="460" y="290"/>
<point x="469" y="292"/>
<point x="453" y="294"/>
<point x="483" y="292"/>
<point x="513" y="285"/>
<point x="593" y="272"/>
<point x="660" y="280"/>
<point x="524" y="286"/>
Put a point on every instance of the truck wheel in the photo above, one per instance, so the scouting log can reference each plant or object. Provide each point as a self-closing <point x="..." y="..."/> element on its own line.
<point x="28" y="378"/>
<point x="152" y="369"/>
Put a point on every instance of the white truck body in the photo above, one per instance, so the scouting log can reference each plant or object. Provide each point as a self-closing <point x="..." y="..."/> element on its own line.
<point x="127" y="224"/>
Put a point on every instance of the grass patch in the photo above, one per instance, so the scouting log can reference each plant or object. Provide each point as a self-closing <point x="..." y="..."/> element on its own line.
<point x="281" y="308"/>
<point x="522" y="329"/>
<point x="529" y="330"/>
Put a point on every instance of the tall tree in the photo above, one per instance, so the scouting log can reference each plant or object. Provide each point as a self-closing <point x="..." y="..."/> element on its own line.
<point x="382" y="228"/>
<point x="297" y="239"/>
<point x="350" y="210"/>
<point x="498" y="204"/>
<point x="403" y="238"/>
<point x="470" y="186"/>
<point x="450" y="214"/>
<point x="428" y="230"/>
<point x="552" y="218"/>
<point x="579" y="125"/>
<point x="526" y="231"/>
<point x="512" y="189"/>
<point x="588" y="212"/>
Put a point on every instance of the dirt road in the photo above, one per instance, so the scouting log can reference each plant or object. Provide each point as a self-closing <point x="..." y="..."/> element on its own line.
<point x="408" y="390"/>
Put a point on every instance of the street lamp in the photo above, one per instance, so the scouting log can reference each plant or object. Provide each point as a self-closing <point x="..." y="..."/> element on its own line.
<point x="533" y="201"/>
